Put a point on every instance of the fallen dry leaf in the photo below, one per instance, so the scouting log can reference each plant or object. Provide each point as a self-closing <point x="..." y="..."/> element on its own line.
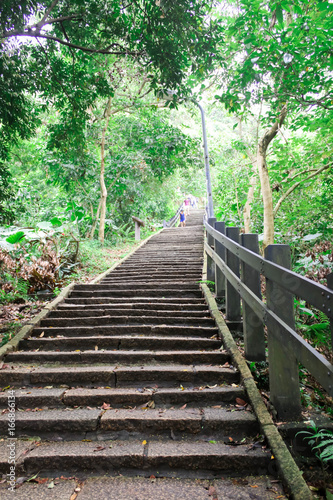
<point x="241" y="402"/>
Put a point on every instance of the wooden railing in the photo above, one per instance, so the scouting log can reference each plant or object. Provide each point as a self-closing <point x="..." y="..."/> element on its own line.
<point x="234" y="264"/>
<point x="171" y="222"/>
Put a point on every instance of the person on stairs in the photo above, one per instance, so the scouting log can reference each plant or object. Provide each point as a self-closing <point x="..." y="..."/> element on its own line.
<point x="182" y="218"/>
<point x="187" y="203"/>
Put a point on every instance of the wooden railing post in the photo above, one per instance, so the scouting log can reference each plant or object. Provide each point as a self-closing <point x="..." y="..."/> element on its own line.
<point x="220" y="250"/>
<point x="253" y="328"/>
<point x="283" y="365"/>
<point x="329" y="280"/>
<point x="210" y="262"/>
<point x="138" y="224"/>
<point x="232" y="297"/>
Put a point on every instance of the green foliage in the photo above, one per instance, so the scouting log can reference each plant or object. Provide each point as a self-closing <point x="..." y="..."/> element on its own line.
<point x="18" y="289"/>
<point x="321" y="442"/>
<point x="8" y="335"/>
<point x="279" y="53"/>
<point x="210" y="284"/>
<point x="314" y="325"/>
<point x="260" y="372"/>
<point x="166" y="38"/>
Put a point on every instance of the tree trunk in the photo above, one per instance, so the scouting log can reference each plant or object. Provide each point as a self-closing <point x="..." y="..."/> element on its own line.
<point x="250" y="197"/>
<point x="264" y="178"/>
<point x="104" y="192"/>
<point x="93" y="228"/>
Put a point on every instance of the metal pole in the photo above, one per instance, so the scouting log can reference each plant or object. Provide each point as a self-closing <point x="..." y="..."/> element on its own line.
<point x="209" y="184"/>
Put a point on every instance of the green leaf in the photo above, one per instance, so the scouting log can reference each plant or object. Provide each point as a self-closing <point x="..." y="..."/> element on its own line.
<point x="56" y="222"/>
<point x="15" y="238"/>
<point x="279" y="14"/>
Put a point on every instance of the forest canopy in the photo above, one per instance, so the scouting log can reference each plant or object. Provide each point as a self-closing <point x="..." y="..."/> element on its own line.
<point x="96" y="120"/>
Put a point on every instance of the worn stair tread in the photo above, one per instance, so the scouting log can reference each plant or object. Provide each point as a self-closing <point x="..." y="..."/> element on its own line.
<point x="34" y="398"/>
<point x="189" y="420"/>
<point x="123" y="329"/>
<point x="117" y="375"/>
<point x="105" y="311"/>
<point x="160" y="396"/>
<point x="108" y="454"/>
<point x="177" y="301"/>
<point x="50" y="421"/>
<point x="152" y="305"/>
<point x="128" y="320"/>
<point x="138" y="293"/>
<point x="120" y="342"/>
<point x="118" y="356"/>
<point x="53" y="397"/>
<point x="141" y="285"/>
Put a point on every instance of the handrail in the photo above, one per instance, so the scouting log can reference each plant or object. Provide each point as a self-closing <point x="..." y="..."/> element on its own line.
<point x="171" y="222"/>
<point x="320" y="296"/>
<point x="286" y="348"/>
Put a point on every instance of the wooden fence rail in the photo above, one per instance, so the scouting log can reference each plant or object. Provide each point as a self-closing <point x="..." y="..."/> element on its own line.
<point x="234" y="264"/>
<point x="171" y="222"/>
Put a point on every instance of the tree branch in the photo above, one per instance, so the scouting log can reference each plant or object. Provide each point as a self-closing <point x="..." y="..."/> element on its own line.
<point x="53" y="4"/>
<point x="73" y="45"/>
<point x="292" y="188"/>
<point x="271" y="133"/>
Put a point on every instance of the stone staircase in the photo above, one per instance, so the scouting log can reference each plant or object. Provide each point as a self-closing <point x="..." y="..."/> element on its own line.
<point x="129" y="376"/>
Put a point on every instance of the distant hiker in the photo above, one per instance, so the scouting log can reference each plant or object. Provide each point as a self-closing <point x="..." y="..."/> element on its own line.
<point x="182" y="218"/>
<point x="187" y="204"/>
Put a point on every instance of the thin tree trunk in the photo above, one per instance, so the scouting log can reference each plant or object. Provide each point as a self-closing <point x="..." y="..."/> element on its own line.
<point x="264" y="178"/>
<point x="253" y="181"/>
<point x="104" y="192"/>
<point x="93" y="229"/>
<point x="249" y="199"/>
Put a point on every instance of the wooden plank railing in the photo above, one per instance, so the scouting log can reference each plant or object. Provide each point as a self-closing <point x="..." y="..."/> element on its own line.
<point x="171" y="222"/>
<point x="234" y="264"/>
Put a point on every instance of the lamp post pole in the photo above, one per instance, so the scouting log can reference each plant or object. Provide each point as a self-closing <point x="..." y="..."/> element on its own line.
<point x="210" y="207"/>
<point x="207" y="171"/>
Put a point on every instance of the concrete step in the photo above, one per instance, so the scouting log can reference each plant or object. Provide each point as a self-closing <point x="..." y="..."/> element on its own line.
<point x="114" y="423"/>
<point x="117" y="376"/>
<point x="74" y="331"/>
<point x="178" y="302"/>
<point x="147" y="488"/>
<point x="155" y="305"/>
<point x="124" y="357"/>
<point x="81" y="397"/>
<point x="119" y="342"/>
<point x="157" y="455"/>
<point x="190" y="293"/>
<point x="140" y="280"/>
<point x="130" y="320"/>
<point x="142" y="285"/>
<point x="76" y="312"/>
